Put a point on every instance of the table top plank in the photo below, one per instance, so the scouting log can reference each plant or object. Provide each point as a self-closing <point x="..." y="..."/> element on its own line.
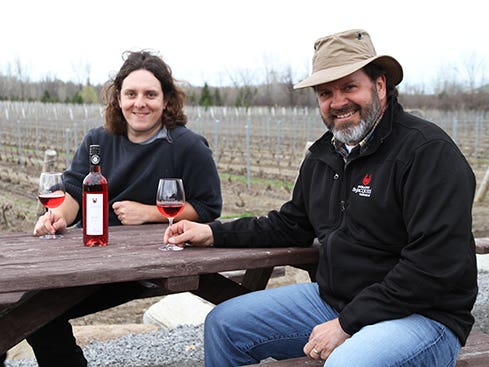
<point x="30" y="263"/>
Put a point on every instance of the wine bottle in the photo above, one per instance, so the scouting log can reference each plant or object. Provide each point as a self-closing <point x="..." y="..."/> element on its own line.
<point x="95" y="203"/>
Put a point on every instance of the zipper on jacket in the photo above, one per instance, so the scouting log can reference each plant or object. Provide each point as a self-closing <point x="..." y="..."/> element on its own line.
<point x="344" y="197"/>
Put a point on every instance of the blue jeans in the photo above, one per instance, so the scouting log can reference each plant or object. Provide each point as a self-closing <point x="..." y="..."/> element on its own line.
<point x="277" y="322"/>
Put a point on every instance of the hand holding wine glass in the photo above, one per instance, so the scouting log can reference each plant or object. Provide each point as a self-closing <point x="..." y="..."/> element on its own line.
<point x="51" y="194"/>
<point x="170" y="200"/>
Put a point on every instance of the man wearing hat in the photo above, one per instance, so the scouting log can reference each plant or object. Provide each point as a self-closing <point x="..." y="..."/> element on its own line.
<point x="388" y="195"/>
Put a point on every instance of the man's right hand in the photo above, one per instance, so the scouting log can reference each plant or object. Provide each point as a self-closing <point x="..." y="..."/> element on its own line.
<point x="195" y="234"/>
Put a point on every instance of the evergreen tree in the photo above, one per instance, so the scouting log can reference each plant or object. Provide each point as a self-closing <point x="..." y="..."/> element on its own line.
<point x="217" y="98"/>
<point x="205" y="97"/>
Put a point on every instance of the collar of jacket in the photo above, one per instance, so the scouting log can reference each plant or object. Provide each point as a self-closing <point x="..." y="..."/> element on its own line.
<point x="323" y="149"/>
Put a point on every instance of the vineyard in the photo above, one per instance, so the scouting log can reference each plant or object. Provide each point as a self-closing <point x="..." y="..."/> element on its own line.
<point x="257" y="150"/>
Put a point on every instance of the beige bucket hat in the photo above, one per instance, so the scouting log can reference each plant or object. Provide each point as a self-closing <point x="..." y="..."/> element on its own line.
<point x="343" y="53"/>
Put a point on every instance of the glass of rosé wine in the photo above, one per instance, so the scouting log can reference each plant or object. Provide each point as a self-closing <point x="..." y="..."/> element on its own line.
<point x="51" y="195"/>
<point x="170" y="200"/>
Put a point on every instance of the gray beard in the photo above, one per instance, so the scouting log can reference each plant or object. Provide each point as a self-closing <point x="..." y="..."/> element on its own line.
<point x="352" y="135"/>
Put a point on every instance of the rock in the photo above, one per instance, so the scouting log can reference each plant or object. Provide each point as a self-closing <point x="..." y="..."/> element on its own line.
<point x="177" y="309"/>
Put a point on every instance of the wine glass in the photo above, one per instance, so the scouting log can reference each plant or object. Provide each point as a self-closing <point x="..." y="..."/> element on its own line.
<point x="170" y="200"/>
<point x="51" y="195"/>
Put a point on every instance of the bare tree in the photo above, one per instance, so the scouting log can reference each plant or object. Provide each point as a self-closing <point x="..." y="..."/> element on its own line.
<point x="474" y="68"/>
<point x="246" y="91"/>
<point x="81" y="70"/>
<point x="287" y="83"/>
<point x="22" y="75"/>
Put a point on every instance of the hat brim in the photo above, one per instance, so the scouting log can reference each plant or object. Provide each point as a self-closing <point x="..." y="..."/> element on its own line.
<point x="393" y="69"/>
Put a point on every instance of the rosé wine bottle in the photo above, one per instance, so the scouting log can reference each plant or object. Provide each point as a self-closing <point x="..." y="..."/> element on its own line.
<point x="95" y="203"/>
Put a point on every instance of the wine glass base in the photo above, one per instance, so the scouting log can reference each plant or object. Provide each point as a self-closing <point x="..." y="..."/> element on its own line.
<point x="170" y="247"/>
<point x="51" y="236"/>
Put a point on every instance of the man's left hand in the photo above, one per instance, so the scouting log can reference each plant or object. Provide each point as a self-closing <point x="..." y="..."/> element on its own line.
<point x="324" y="339"/>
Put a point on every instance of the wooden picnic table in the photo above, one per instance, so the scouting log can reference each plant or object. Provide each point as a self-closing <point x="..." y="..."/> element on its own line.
<point x="40" y="279"/>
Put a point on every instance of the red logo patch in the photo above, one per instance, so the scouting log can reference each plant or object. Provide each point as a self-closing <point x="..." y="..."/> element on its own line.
<point x="366" y="179"/>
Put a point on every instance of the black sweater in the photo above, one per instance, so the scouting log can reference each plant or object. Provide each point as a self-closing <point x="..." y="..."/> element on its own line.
<point x="394" y="224"/>
<point x="133" y="170"/>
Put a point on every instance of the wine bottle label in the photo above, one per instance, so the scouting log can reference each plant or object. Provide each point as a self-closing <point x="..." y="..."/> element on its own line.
<point x="95" y="214"/>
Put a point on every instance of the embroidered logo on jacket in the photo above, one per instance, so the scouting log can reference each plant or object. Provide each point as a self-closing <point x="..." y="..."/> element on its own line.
<point x="364" y="189"/>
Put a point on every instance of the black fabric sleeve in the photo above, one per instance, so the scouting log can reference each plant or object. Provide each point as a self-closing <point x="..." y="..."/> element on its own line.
<point x="194" y="162"/>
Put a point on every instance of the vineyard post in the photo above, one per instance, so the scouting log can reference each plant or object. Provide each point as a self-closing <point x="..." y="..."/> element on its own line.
<point x="481" y="192"/>
<point x="248" y="155"/>
<point x="37" y="135"/>
<point x="216" y="136"/>
<point x="227" y="127"/>
<point x="19" y="143"/>
<point x="270" y="117"/>
<point x="3" y="128"/>
<point x="478" y="121"/>
<point x="67" y="147"/>
<point x="47" y="126"/>
<point x="75" y="134"/>
<point x="454" y="128"/>
<point x="294" y="135"/>
<point x="277" y="154"/>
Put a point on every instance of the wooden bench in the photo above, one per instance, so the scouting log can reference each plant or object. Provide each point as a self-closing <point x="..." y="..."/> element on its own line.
<point x="474" y="354"/>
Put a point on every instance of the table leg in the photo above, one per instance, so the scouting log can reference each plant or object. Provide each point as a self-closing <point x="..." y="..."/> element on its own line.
<point x="33" y="312"/>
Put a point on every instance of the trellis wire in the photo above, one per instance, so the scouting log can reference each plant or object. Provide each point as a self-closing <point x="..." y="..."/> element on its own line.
<point x="246" y="141"/>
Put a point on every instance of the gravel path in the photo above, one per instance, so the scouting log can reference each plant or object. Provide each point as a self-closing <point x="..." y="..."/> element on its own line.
<point x="183" y="346"/>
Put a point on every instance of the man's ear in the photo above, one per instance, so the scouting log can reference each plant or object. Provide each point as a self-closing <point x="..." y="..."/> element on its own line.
<point x="381" y="86"/>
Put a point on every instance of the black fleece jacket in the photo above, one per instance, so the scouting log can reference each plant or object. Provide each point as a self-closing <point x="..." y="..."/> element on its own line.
<point x="394" y="225"/>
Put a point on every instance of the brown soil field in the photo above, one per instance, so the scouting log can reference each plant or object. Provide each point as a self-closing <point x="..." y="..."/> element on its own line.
<point x="19" y="206"/>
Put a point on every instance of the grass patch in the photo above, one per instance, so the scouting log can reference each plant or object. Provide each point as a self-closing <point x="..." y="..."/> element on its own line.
<point x="239" y="215"/>
<point x="267" y="182"/>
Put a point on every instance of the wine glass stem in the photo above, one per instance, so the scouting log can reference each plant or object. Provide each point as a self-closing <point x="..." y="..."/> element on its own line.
<point x="50" y="217"/>
<point x="170" y="223"/>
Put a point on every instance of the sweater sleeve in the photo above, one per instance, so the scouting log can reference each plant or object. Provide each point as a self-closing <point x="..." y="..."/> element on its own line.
<point x="196" y="166"/>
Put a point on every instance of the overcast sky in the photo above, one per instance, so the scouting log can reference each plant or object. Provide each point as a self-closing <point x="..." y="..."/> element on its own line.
<point x="211" y="40"/>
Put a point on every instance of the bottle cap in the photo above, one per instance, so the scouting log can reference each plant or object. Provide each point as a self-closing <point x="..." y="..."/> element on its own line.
<point x="95" y="154"/>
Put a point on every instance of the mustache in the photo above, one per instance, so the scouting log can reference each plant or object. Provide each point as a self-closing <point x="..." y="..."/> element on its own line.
<point x="343" y="110"/>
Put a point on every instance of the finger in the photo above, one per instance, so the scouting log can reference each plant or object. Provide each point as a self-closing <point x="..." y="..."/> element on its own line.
<point x="43" y="228"/>
<point x="315" y="353"/>
<point x="51" y="229"/>
<point x="176" y="239"/>
<point x="180" y="238"/>
<point x="174" y="230"/>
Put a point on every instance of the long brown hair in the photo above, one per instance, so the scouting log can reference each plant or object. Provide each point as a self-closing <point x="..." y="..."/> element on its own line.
<point x="173" y="114"/>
